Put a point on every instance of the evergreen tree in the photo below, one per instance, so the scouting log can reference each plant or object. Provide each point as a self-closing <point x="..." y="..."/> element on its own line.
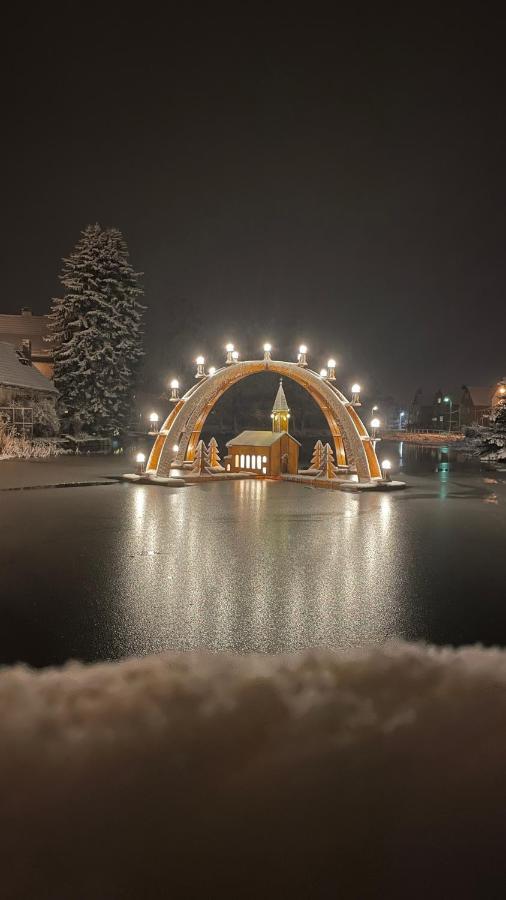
<point x="316" y="459"/>
<point x="327" y="468"/>
<point x="214" y="455"/>
<point x="493" y="447"/>
<point x="201" y="463"/>
<point x="96" y="331"/>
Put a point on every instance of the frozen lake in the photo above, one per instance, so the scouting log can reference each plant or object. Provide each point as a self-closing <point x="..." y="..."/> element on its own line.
<point x="111" y="570"/>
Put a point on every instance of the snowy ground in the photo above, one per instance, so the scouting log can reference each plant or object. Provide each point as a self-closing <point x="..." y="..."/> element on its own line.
<point x="375" y="773"/>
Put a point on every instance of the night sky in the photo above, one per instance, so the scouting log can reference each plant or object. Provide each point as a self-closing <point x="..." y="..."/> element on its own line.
<point x="338" y="182"/>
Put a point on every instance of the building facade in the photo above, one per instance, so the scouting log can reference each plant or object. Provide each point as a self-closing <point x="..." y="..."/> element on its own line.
<point x="269" y="453"/>
<point x="26" y="333"/>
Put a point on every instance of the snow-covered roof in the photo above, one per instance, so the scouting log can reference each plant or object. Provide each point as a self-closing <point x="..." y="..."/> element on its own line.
<point x="481" y="396"/>
<point x="14" y="373"/>
<point x="280" y="404"/>
<point x="259" y="438"/>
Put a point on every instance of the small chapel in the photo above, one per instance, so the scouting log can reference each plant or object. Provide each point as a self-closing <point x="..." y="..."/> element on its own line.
<point x="271" y="453"/>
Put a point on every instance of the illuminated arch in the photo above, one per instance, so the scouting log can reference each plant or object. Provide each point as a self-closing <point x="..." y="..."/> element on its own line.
<point x="183" y="426"/>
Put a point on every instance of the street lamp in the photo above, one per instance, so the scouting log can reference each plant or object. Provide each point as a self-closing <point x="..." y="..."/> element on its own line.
<point x="200" y="367"/>
<point x="355" y="394"/>
<point x="449" y="400"/>
<point x="140" y="459"/>
<point x="332" y="369"/>
<point x="267" y="351"/>
<point x="174" y="390"/>
<point x="230" y="349"/>
<point x="302" y="356"/>
<point x="153" y="418"/>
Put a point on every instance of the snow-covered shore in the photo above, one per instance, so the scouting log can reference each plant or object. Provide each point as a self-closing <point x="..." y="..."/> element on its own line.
<point x="377" y="772"/>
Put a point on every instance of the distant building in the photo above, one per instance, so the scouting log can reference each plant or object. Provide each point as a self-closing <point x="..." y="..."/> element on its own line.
<point x="477" y="403"/>
<point x="21" y="385"/>
<point x="433" y="416"/>
<point x="26" y="333"/>
<point x="266" y="452"/>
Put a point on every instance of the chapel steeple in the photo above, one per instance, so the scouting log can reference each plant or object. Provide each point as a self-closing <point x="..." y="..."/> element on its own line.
<point x="280" y="412"/>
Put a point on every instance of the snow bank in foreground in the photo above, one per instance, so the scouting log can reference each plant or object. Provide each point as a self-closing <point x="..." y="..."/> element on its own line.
<point x="371" y="773"/>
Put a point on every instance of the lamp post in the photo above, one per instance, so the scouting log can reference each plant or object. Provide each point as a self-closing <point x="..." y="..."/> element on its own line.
<point x="355" y="395"/>
<point x="449" y="400"/>
<point x="174" y="390"/>
<point x="386" y="465"/>
<point x="401" y="422"/>
<point x="375" y="424"/>
<point x="211" y="371"/>
<point x="331" y="365"/>
<point x="153" y="419"/>
<point x="323" y="373"/>
<point x="235" y="356"/>
<point x="200" y="367"/>
<point x="267" y="351"/>
<point x="140" y="459"/>
<point x="302" y="356"/>
<point x="230" y="349"/>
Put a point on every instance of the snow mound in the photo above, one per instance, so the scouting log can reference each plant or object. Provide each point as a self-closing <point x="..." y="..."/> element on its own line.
<point x="377" y="772"/>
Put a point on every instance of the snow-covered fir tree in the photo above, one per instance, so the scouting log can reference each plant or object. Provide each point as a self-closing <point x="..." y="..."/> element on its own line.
<point x="201" y="462"/>
<point x="214" y="455"/>
<point x="327" y="467"/>
<point x="96" y="331"/>
<point x="493" y="446"/>
<point x="316" y="459"/>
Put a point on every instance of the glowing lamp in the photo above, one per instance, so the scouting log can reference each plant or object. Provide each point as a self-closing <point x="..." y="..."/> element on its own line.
<point x="230" y="349"/>
<point x="175" y="447"/>
<point x="267" y="351"/>
<point x="375" y="423"/>
<point x="200" y="367"/>
<point x="211" y="370"/>
<point x="235" y="356"/>
<point x="323" y="373"/>
<point x="386" y="465"/>
<point x="302" y="357"/>
<point x="355" y="394"/>
<point x="140" y="459"/>
<point x="331" y="365"/>
<point x="174" y="390"/>
<point x="153" y="418"/>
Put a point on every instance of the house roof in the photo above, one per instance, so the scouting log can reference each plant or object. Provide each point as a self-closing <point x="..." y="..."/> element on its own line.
<point x="481" y="396"/>
<point x="14" y="373"/>
<point x="280" y="404"/>
<point x="259" y="438"/>
<point x="14" y="328"/>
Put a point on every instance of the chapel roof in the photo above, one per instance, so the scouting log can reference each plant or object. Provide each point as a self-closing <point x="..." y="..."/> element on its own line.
<point x="259" y="438"/>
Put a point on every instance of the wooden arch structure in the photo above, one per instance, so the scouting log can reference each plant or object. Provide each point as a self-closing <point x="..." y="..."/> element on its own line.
<point x="179" y="435"/>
